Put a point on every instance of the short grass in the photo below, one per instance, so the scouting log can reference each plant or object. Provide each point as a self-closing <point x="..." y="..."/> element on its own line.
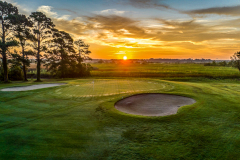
<point x="79" y="121"/>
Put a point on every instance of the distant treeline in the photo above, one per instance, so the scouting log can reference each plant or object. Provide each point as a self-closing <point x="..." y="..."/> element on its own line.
<point x="235" y="62"/>
<point x="36" y="36"/>
<point x="223" y="63"/>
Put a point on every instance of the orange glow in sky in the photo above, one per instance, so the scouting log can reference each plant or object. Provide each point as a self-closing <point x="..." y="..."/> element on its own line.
<point x="147" y="29"/>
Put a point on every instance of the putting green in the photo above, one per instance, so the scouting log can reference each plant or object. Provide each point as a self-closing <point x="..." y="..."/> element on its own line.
<point x="106" y="87"/>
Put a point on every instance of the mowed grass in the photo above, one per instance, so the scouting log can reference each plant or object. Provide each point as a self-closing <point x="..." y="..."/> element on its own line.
<point x="79" y="121"/>
<point x="163" y="70"/>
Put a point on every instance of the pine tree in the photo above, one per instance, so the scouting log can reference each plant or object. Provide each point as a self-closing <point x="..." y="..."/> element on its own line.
<point x="7" y="12"/>
<point x="42" y="26"/>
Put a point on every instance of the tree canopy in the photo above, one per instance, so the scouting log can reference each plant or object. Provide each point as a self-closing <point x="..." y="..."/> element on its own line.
<point x="7" y="12"/>
<point x="38" y="37"/>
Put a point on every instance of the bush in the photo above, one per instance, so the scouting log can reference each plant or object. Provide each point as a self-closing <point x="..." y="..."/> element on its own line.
<point x="15" y="73"/>
<point x="223" y="63"/>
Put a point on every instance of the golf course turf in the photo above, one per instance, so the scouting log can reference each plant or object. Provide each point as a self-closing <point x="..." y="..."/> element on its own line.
<point x="79" y="121"/>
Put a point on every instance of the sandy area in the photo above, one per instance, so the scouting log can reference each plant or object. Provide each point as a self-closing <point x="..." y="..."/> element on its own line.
<point x="152" y="104"/>
<point x="33" y="87"/>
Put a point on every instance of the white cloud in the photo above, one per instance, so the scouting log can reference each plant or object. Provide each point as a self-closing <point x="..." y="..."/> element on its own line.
<point x="49" y="13"/>
<point x="47" y="10"/>
<point x="111" y="11"/>
<point x="65" y="17"/>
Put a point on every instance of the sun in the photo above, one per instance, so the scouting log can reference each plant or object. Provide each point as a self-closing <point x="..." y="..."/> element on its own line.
<point x="125" y="58"/>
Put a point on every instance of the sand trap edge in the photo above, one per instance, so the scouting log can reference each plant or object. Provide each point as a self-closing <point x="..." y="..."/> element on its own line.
<point x="123" y="110"/>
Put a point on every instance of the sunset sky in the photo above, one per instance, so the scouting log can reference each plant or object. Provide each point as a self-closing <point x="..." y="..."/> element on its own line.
<point x="141" y="29"/>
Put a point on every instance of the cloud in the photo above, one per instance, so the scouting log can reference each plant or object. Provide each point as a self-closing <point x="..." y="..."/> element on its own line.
<point x="121" y="52"/>
<point x="147" y="4"/>
<point x="47" y="10"/>
<point x="108" y="29"/>
<point x="232" y="11"/>
<point x="118" y="25"/>
<point x="111" y="12"/>
<point x="194" y="31"/>
<point x="73" y="26"/>
<point x="119" y="31"/>
<point x="49" y="13"/>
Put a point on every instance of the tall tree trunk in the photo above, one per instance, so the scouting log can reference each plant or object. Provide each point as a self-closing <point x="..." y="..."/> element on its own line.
<point x="4" y="54"/>
<point x="5" y="68"/>
<point x="38" y="58"/>
<point x="62" y="66"/>
<point x="24" y="66"/>
<point x="38" y="62"/>
<point x="79" y="55"/>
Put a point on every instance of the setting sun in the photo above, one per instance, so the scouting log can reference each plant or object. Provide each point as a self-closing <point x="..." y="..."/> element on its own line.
<point x="125" y="58"/>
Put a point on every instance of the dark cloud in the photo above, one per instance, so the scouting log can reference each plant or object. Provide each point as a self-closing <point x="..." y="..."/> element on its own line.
<point x="233" y="11"/>
<point x="158" y="4"/>
<point x="67" y="10"/>
<point x="147" y="4"/>
<point x="71" y="26"/>
<point x="115" y="24"/>
<point x="195" y="31"/>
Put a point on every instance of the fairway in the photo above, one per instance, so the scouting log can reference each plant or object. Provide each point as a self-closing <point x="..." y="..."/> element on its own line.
<point x="78" y="121"/>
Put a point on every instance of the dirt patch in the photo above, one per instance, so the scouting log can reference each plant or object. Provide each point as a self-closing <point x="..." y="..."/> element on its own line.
<point x="33" y="87"/>
<point x="152" y="104"/>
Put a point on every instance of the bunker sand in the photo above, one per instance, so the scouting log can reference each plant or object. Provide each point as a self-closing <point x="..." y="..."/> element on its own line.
<point x="152" y="104"/>
<point x="32" y="87"/>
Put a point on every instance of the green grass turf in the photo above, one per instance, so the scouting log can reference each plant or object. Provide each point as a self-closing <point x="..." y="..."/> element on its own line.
<point x="79" y="121"/>
<point x="163" y="70"/>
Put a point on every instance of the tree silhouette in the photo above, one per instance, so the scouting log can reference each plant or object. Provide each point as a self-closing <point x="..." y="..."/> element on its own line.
<point x="61" y="55"/>
<point x="42" y="26"/>
<point x="83" y="54"/>
<point x="83" y="50"/>
<point x="236" y="60"/>
<point x="7" y="12"/>
<point x="23" y="33"/>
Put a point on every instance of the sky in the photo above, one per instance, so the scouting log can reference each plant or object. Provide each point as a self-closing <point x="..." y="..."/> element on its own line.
<point x="142" y="29"/>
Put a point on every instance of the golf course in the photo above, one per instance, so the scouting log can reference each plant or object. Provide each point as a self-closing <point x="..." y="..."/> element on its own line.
<point x="119" y="80"/>
<point x="78" y="120"/>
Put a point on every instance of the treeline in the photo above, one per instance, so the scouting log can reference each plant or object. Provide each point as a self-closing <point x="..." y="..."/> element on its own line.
<point x="36" y="36"/>
<point x="235" y="62"/>
<point x="222" y="63"/>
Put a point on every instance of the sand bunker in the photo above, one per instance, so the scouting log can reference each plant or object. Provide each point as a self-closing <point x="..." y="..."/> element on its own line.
<point x="33" y="87"/>
<point x="152" y="104"/>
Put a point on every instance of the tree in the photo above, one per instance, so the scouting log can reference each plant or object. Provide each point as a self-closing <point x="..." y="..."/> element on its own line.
<point x="7" y="12"/>
<point x="82" y="48"/>
<point x="42" y="26"/>
<point x="15" y="70"/>
<point x="23" y="33"/>
<point x="61" y="56"/>
<point x="236" y="60"/>
<point x="83" y="54"/>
